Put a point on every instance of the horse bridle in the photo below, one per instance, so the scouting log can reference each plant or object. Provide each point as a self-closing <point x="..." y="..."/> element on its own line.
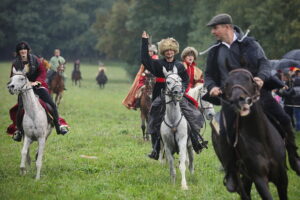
<point x="251" y="98"/>
<point x="26" y="89"/>
<point x="169" y="90"/>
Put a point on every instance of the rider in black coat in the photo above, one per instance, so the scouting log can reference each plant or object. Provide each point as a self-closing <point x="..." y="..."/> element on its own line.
<point x="168" y="48"/>
<point x="235" y="50"/>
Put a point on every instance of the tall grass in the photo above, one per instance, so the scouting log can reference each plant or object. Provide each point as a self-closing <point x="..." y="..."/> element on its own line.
<point x="102" y="127"/>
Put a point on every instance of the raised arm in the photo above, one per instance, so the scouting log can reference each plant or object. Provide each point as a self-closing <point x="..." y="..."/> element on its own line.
<point x="145" y="58"/>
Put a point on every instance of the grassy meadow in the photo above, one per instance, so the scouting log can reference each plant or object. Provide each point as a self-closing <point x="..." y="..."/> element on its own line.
<point x="101" y="126"/>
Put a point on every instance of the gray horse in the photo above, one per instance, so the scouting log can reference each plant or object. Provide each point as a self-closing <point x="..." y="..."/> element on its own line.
<point x="174" y="128"/>
<point x="205" y="107"/>
<point x="35" y="122"/>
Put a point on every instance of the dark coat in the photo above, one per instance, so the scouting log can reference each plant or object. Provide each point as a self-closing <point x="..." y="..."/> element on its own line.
<point x="251" y="53"/>
<point x="37" y="71"/>
<point x="156" y="68"/>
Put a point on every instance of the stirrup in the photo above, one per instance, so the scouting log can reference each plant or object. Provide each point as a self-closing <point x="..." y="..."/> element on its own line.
<point x="17" y="136"/>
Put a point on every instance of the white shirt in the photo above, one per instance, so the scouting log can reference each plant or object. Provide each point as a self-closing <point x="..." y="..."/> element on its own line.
<point x="234" y="39"/>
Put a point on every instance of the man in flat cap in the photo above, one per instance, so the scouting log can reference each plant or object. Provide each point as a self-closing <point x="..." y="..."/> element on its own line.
<point x="231" y="47"/>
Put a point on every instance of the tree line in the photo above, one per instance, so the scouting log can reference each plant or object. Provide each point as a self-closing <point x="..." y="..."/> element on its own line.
<point x="112" y="29"/>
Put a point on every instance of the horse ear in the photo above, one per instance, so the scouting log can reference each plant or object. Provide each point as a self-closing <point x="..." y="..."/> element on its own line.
<point x="14" y="71"/>
<point x="165" y="71"/>
<point x="24" y="71"/>
<point x="175" y="70"/>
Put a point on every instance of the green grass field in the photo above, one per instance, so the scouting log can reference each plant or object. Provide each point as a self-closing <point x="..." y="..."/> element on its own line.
<point x="102" y="127"/>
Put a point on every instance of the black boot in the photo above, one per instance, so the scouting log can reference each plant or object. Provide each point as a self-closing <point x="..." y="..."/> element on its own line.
<point x="18" y="134"/>
<point x="198" y="142"/>
<point x="155" y="146"/>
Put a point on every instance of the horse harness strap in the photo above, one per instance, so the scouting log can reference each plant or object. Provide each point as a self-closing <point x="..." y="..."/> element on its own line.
<point x="174" y="127"/>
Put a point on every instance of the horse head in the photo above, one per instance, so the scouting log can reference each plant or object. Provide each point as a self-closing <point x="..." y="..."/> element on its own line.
<point x="61" y="68"/>
<point x="18" y="82"/>
<point x="241" y="91"/>
<point x="173" y="84"/>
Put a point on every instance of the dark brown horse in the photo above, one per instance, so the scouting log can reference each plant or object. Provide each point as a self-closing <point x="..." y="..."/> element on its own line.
<point x="145" y="101"/>
<point x="101" y="78"/>
<point x="57" y="84"/>
<point x="258" y="148"/>
<point x="76" y="74"/>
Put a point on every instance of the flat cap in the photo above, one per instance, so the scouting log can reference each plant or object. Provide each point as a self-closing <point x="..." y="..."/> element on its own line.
<point x="220" y="19"/>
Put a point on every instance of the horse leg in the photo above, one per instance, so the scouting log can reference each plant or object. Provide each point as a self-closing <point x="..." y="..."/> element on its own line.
<point x="247" y="185"/>
<point x="143" y="126"/>
<point x="182" y="156"/>
<point x="28" y="159"/>
<point x="282" y="184"/>
<point x="170" y="158"/>
<point x="191" y="158"/>
<point x="24" y="152"/>
<point x="41" y="147"/>
<point x="261" y="184"/>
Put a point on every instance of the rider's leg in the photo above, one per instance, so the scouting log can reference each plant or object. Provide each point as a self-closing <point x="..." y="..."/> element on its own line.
<point x="273" y="108"/>
<point x="227" y="129"/>
<point x="19" y="119"/>
<point x="44" y="95"/>
<point x="196" y="121"/>
<point x="156" y="113"/>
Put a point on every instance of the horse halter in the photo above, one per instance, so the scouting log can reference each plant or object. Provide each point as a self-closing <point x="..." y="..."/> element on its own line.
<point x="169" y="91"/>
<point x="250" y="99"/>
<point x="22" y="89"/>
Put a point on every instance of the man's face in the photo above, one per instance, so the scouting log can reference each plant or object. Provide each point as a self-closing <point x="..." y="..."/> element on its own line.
<point x="219" y="31"/>
<point x="23" y="53"/>
<point x="169" y="54"/>
<point x="189" y="59"/>
<point x="57" y="53"/>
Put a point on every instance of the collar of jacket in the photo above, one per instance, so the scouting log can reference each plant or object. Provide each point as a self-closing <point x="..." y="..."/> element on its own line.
<point x="240" y="37"/>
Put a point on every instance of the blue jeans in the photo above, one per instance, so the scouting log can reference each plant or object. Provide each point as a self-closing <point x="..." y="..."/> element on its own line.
<point x="297" y="117"/>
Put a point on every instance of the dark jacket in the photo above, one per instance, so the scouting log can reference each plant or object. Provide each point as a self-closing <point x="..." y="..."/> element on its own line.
<point x="296" y="92"/>
<point x="156" y="68"/>
<point x="250" y="52"/>
<point x="36" y="72"/>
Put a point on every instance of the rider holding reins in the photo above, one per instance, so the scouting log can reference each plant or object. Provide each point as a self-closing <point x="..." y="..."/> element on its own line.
<point x="36" y="74"/>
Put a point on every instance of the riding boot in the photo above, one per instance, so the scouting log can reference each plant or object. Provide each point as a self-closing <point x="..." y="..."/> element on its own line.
<point x="155" y="138"/>
<point x="198" y="142"/>
<point x="59" y="129"/>
<point x="291" y="147"/>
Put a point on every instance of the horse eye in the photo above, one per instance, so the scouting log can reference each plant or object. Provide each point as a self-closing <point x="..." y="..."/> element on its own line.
<point x="22" y="79"/>
<point x="168" y="82"/>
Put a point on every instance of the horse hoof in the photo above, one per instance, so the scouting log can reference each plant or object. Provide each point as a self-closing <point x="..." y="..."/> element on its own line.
<point x="184" y="187"/>
<point x="23" y="171"/>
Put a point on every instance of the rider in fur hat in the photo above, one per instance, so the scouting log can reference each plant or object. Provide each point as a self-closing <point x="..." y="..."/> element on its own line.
<point x="168" y="48"/>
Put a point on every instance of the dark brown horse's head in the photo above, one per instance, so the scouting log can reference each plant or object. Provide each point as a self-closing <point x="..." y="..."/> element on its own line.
<point x="149" y="82"/>
<point x="241" y="91"/>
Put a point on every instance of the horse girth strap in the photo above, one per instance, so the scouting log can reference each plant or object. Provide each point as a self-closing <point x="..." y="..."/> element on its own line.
<point x="174" y="128"/>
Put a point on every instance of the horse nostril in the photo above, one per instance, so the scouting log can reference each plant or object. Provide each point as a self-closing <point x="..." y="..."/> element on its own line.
<point x="11" y="86"/>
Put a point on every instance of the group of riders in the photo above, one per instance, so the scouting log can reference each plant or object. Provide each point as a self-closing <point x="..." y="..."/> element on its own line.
<point x="234" y="49"/>
<point x="39" y="72"/>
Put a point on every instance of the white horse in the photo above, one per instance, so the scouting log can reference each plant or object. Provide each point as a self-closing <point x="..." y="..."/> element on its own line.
<point x="205" y="107"/>
<point x="35" y="122"/>
<point x="174" y="129"/>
